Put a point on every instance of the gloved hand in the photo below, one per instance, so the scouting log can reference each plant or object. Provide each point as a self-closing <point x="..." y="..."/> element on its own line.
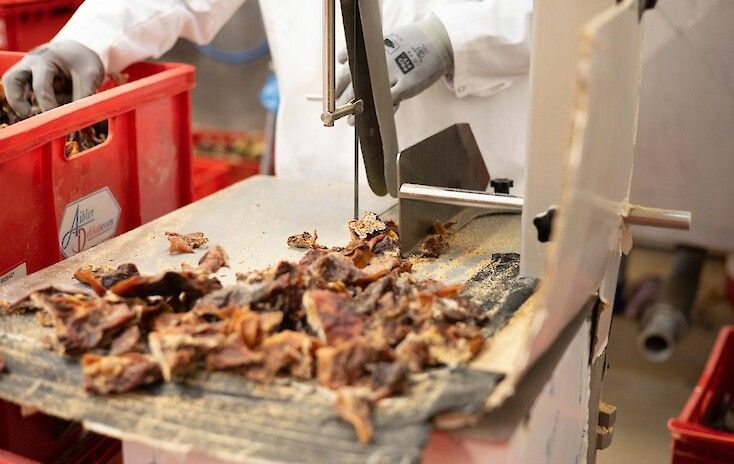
<point x="66" y="60"/>
<point x="418" y="55"/>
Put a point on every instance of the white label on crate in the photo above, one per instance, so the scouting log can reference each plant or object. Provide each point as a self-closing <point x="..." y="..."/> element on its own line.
<point x="88" y="221"/>
<point x="16" y="273"/>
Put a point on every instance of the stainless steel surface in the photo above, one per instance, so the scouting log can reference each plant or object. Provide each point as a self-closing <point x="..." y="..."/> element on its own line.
<point x="449" y="159"/>
<point x="661" y="218"/>
<point x="458" y="197"/>
<point x="376" y="124"/>
<point x="251" y="220"/>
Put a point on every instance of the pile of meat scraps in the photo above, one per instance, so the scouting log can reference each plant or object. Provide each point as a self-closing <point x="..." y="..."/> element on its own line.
<point x="353" y="319"/>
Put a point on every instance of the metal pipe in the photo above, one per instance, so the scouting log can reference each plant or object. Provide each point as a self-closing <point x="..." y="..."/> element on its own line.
<point x="457" y="197"/>
<point x="666" y="320"/>
<point x="655" y="217"/>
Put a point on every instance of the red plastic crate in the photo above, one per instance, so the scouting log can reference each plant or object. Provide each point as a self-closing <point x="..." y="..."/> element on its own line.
<point x="209" y="176"/>
<point x="694" y="442"/>
<point x="142" y="170"/>
<point x="25" y="24"/>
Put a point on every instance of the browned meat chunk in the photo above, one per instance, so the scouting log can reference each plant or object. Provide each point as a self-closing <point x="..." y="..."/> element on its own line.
<point x="289" y="352"/>
<point x="254" y="327"/>
<point x="30" y="302"/>
<point x="368" y="225"/>
<point x="354" y="406"/>
<point x="185" y="243"/>
<point x="413" y="352"/>
<point x="233" y="355"/>
<point x="186" y="287"/>
<point x="103" y="375"/>
<point x="436" y="243"/>
<point x="127" y="342"/>
<point x="177" y="348"/>
<point x="83" y="323"/>
<point x="100" y="280"/>
<point x="366" y="301"/>
<point x="304" y="240"/>
<point x="348" y="362"/>
<point x="213" y="260"/>
<point x="87" y="276"/>
<point x="331" y="315"/>
<point x="388" y="379"/>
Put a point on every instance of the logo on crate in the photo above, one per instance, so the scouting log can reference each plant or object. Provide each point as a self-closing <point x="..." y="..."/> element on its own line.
<point x="88" y="221"/>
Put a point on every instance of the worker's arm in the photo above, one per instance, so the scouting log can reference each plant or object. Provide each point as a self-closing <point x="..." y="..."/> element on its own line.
<point x="479" y="47"/>
<point x="122" y="32"/>
<point x="107" y="36"/>
<point x="490" y="40"/>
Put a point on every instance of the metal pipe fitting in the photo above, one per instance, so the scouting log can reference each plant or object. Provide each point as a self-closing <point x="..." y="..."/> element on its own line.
<point x="666" y="320"/>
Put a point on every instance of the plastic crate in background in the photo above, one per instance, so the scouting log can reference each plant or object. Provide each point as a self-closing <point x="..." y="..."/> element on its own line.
<point x="222" y="158"/>
<point x="57" y="206"/>
<point x="209" y="176"/>
<point x="694" y="442"/>
<point x="25" y="24"/>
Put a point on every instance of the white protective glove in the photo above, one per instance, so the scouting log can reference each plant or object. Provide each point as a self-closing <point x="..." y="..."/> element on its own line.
<point x="418" y="55"/>
<point x="44" y="67"/>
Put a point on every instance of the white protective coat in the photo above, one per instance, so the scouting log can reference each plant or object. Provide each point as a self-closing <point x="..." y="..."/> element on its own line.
<point x="489" y="88"/>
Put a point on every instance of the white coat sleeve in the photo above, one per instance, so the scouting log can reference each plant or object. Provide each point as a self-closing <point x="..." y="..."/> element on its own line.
<point x="123" y="32"/>
<point x="491" y="44"/>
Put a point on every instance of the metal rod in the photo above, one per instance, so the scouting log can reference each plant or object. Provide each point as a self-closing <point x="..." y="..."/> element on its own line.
<point x="634" y="214"/>
<point x="329" y="56"/>
<point x="457" y="197"/>
<point x="655" y="217"/>
<point x="355" y="107"/>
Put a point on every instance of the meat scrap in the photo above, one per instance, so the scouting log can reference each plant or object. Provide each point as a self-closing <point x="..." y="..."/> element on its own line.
<point x="213" y="260"/>
<point x="331" y="315"/>
<point x="234" y="354"/>
<point x="127" y="342"/>
<point x="101" y="280"/>
<point x="185" y="243"/>
<point x="368" y="225"/>
<point x="346" y="364"/>
<point x="103" y="375"/>
<point x="436" y="243"/>
<point x="355" y="406"/>
<point x="81" y="322"/>
<point x="304" y="240"/>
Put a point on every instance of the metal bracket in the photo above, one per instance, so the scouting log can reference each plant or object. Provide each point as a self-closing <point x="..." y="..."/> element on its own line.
<point x="443" y="178"/>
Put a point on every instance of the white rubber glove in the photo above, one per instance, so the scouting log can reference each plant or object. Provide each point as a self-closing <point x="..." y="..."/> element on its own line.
<point x="418" y="55"/>
<point x="61" y="61"/>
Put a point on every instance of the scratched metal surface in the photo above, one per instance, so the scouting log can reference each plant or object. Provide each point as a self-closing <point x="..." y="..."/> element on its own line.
<point x="226" y="415"/>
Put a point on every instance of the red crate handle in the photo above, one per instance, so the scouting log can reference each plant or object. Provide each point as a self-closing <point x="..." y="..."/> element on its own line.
<point x="59" y="122"/>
